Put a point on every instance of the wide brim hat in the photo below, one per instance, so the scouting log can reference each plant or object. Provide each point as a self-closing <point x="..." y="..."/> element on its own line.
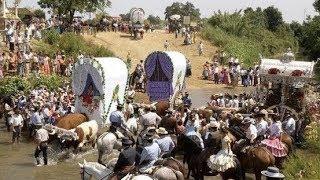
<point x="126" y="141"/>
<point x="213" y="124"/>
<point x="162" y="131"/>
<point x="238" y="116"/>
<point x="272" y="172"/>
<point x="247" y="120"/>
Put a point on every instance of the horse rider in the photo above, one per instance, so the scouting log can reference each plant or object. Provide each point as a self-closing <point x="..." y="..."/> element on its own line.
<point x="211" y="128"/>
<point x="165" y="142"/>
<point x="129" y="110"/>
<point x="127" y="159"/>
<point x="117" y="119"/>
<point x="289" y="125"/>
<point x="151" y="118"/>
<point x="251" y="134"/>
<point x="16" y="122"/>
<point x="273" y="142"/>
<point x="186" y="100"/>
<point x="42" y="136"/>
<point x="150" y="154"/>
<point x="261" y="125"/>
<point x="191" y="130"/>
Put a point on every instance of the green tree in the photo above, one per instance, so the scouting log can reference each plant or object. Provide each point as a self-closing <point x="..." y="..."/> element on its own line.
<point x="125" y="17"/>
<point x="70" y="7"/>
<point x="273" y="18"/>
<point x="316" y="5"/>
<point x="39" y="14"/>
<point x="154" y="20"/>
<point x="181" y="9"/>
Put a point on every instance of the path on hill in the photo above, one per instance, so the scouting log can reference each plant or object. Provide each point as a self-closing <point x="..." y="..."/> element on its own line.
<point x="121" y="43"/>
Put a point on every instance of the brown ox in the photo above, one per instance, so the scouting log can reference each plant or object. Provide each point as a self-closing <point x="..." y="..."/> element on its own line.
<point x="71" y="121"/>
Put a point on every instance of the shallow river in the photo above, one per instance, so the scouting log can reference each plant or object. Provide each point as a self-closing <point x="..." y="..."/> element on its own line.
<point x="17" y="161"/>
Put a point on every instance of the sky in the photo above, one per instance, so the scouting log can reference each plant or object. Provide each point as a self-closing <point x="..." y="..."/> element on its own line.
<point x="292" y="10"/>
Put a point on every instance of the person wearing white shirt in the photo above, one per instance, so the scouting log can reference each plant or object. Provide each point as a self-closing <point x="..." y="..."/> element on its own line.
<point x="235" y="103"/>
<point x="16" y="122"/>
<point x="42" y="136"/>
<point x="261" y="125"/>
<point x="289" y="125"/>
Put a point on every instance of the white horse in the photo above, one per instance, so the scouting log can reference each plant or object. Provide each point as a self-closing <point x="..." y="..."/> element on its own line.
<point x="100" y="172"/>
<point x="106" y="143"/>
<point x="96" y="170"/>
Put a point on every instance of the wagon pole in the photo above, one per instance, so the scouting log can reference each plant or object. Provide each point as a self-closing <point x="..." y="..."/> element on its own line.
<point x="282" y="109"/>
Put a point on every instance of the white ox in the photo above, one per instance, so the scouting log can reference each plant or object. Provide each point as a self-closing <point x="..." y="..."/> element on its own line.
<point x="82" y="134"/>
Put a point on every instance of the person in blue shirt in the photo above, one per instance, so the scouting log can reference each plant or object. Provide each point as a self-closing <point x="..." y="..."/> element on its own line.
<point x="187" y="100"/>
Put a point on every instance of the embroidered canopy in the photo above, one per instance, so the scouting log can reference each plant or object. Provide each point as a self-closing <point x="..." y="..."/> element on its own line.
<point x="275" y="70"/>
<point x="99" y="85"/>
<point x="165" y="73"/>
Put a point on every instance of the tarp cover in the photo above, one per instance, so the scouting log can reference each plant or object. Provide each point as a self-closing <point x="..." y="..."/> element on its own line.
<point x="165" y="73"/>
<point x="99" y="85"/>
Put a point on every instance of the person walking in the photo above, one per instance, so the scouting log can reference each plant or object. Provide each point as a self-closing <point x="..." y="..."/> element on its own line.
<point x="166" y="45"/>
<point x="16" y="122"/>
<point x="200" y="48"/>
<point x="42" y="136"/>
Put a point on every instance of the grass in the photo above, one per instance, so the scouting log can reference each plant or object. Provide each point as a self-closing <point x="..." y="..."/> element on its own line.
<point x="307" y="160"/>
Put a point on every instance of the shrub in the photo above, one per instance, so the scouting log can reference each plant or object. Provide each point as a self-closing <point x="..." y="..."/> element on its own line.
<point x="245" y="37"/>
<point x="12" y="85"/>
<point x="70" y="44"/>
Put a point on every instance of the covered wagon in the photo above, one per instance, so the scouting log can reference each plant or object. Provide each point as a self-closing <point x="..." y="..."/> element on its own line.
<point x="165" y="74"/>
<point x="99" y="84"/>
<point x="286" y="79"/>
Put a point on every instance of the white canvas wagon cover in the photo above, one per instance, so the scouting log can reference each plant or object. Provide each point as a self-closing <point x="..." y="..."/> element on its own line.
<point x="99" y="85"/>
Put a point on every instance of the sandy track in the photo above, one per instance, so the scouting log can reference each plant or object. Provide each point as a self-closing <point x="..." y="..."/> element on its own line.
<point x="121" y="43"/>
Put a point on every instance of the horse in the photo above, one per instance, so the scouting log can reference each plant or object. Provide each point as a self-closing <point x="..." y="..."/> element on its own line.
<point x="255" y="159"/>
<point x="171" y="163"/>
<point x="169" y="123"/>
<point x="166" y="173"/>
<point x="199" y="166"/>
<point x="96" y="170"/>
<point x="106" y="143"/>
<point x="190" y="147"/>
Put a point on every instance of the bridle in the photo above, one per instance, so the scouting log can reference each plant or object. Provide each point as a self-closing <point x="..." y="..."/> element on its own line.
<point x="84" y="172"/>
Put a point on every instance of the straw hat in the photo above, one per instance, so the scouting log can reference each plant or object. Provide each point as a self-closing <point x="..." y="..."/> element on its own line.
<point x="213" y="124"/>
<point x="272" y="172"/>
<point x="238" y="116"/>
<point x="162" y="131"/>
<point x="247" y="120"/>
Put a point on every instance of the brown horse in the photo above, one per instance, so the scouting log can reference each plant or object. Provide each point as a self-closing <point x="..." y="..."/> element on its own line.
<point x="169" y="123"/>
<point x="255" y="159"/>
<point x="171" y="163"/>
<point x="161" y="107"/>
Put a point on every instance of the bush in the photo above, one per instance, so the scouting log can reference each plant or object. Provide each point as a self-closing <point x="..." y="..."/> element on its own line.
<point x="68" y="43"/>
<point x="245" y="37"/>
<point x="12" y="85"/>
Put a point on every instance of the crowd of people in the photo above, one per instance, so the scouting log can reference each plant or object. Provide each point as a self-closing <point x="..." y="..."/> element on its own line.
<point x="233" y="74"/>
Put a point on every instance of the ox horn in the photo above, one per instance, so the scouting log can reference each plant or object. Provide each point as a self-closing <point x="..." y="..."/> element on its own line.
<point x="84" y="161"/>
<point x="81" y="165"/>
